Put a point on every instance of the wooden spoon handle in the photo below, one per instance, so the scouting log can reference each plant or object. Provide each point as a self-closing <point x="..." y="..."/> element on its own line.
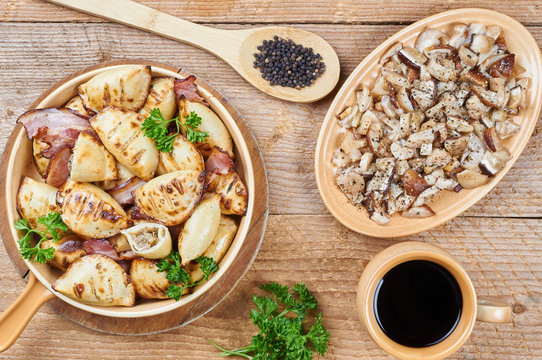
<point x="16" y="317"/>
<point x="223" y="43"/>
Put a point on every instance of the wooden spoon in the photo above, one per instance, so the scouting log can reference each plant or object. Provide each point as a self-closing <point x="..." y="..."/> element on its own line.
<point x="235" y="47"/>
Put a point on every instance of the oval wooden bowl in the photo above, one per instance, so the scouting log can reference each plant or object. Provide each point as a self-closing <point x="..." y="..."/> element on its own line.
<point x="166" y="314"/>
<point x="449" y="204"/>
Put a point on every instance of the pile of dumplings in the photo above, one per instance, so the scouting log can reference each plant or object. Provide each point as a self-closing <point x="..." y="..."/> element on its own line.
<point x="123" y="200"/>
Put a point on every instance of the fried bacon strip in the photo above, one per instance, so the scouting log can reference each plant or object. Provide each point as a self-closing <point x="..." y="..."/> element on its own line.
<point x="61" y="126"/>
<point x="124" y="193"/>
<point x="100" y="246"/>
<point x="186" y="88"/>
<point x="218" y="162"/>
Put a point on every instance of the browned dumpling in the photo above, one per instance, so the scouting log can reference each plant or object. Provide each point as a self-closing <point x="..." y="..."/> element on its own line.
<point x="36" y="199"/>
<point x="91" y="161"/>
<point x="211" y="124"/>
<point x="227" y="228"/>
<point x="124" y="86"/>
<point x="149" y="240"/>
<point x="96" y="280"/>
<point x="76" y="104"/>
<point x="148" y="282"/>
<point x="124" y="174"/>
<point x="38" y="146"/>
<point x="200" y="229"/>
<point x="171" y="198"/>
<point x="185" y="156"/>
<point x="67" y="249"/>
<point x="120" y="132"/>
<point x="89" y="211"/>
<point x="161" y="96"/>
<point x="119" y="243"/>
<point x="232" y="190"/>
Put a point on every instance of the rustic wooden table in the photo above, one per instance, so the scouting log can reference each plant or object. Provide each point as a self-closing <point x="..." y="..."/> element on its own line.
<point x="498" y="240"/>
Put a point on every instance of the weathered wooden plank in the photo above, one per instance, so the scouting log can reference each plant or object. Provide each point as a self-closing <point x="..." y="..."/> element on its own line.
<point x="502" y="257"/>
<point x="34" y="57"/>
<point x="296" y="11"/>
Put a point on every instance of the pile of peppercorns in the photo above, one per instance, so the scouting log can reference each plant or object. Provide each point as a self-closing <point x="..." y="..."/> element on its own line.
<point x="285" y="63"/>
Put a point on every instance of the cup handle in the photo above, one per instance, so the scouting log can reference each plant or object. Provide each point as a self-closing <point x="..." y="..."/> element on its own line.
<point x="15" y="318"/>
<point x="493" y="311"/>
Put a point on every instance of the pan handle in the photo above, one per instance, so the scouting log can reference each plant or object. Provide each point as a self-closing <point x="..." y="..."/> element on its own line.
<point x="16" y="317"/>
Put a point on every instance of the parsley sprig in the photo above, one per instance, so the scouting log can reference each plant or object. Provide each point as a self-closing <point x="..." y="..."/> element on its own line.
<point x="179" y="277"/>
<point x="157" y="127"/>
<point x="283" y="337"/>
<point x="53" y="223"/>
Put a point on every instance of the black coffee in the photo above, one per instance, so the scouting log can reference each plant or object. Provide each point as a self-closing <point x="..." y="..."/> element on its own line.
<point x="418" y="303"/>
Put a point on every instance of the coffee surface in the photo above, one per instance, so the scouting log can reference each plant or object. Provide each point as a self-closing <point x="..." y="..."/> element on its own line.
<point x="418" y="303"/>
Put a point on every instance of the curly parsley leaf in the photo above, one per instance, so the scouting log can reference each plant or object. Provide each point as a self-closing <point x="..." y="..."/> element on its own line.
<point x="22" y="224"/>
<point x="281" y="336"/>
<point x="180" y="278"/>
<point x="157" y="128"/>
<point x="191" y="124"/>
<point x="207" y="266"/>
<point x="319" y="336"/>
<point x="175" y="292"/>
<point x="53" y="223"/>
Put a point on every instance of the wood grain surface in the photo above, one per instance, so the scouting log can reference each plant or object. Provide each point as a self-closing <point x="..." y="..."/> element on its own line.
<point x="498" y="240"/>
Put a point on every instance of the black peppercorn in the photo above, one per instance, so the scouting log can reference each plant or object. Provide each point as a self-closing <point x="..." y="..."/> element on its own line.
<point x="285" y="63"/>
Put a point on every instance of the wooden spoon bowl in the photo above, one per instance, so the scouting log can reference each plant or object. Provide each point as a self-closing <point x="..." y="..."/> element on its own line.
<point x="319" y="88"/>
<point x="519" y="41"/>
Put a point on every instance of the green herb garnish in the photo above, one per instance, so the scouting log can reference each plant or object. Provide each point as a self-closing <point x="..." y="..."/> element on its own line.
<point x="179" y="277"/>
<point x="53" y="223"/>
<point x="280" y="336"/>
<point x="156" y="127"/>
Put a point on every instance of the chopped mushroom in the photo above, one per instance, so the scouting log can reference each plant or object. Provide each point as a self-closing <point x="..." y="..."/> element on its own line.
<point x="411" y="57"/>
<point x="470" y="179"/>
<point x="418" y="212"/>
<point x="434" y="120"/>
<point x="353" y="185"/>
<point x="507" y="128"/>
<point x="428" y="38"/>
<point x="490" y="164"/>
<point x="402" y="152"/>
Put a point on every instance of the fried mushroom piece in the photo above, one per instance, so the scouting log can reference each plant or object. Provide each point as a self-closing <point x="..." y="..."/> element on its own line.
<point x="352" y="184"/>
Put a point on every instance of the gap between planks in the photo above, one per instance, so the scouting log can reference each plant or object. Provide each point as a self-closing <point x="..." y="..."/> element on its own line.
<point x="248" y="23"/>
<point x="458" y="216"/>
